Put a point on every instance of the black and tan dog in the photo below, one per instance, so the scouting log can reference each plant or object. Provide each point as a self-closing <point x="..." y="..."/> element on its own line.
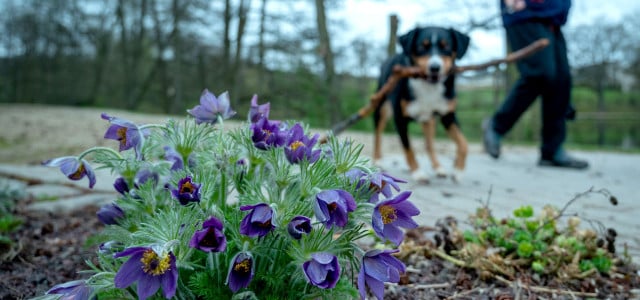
<point x="433" y="49"/>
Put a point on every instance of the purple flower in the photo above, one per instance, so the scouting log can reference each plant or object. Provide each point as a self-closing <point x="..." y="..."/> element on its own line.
<point x="71" y="290"/>
<point x="109" y="247"/>
<point x="172" y="155"/>
<point x="258" y="111"/>
<point x="299" y="147"/>
<point x="187" y="191"/>
<point x="73" y="168"/>
<point x="210" y="238"/>
<point x="299" y="225"/>
<point x="109" y="214"/>
<point x="144" y="175"/>
<point x="322" y="270"/>
<point x="332" y="207"/>
<point x="378" y="267"/>
<point x="391" y="214"/>
<point x="381" y="183"/>
<point x="258" y="222"/>
<point x="126" y="132"/>
<point x="121" y="186"/>
<point x="267" y="134"/>
<point x="241" y="271"/>
<point x="150" y="269"/>
<point x="211" y="108"/>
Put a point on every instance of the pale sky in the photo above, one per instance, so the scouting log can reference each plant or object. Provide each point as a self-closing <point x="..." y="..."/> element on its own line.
<point x="370" y="18"/>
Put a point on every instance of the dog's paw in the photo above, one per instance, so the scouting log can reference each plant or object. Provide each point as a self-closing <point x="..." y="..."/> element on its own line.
<point x="440" y="172"/>
<point x="420" y="176"/>
<point x="457" y="175"/>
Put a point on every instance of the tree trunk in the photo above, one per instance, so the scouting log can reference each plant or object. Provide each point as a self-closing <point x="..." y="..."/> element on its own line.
<point x="326" y="53"/>
<point x="243" y="10"/>
<point x="393" y="35"/>
<point x="226" y="43"/>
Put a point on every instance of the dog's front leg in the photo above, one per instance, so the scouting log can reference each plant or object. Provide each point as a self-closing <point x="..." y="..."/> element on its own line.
<point x="429" y="132"/>
<point x="462" y="150"/>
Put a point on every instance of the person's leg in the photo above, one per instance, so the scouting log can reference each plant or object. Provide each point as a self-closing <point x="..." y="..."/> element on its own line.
<point x="532" y="70"/>
<point x="556" y="99"/>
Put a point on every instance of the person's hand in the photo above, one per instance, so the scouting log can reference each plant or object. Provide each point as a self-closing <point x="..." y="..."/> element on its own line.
<point x="515" y="5"/>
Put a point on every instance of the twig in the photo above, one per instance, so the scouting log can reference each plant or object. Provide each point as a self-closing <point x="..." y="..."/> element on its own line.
<point x="449" y="258"/>
<point x="462" y="294"/>
<point x="400" y="72"/>
<point x="540" y="289"/>
<point x="429" y="286"/>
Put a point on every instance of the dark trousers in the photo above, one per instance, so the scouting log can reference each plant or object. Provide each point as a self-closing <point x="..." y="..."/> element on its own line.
<point x="546" y="74"/>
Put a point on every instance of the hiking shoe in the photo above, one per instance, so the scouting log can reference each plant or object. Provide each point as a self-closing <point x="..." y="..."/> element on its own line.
<point x="491" y="139"/>
<point x="563" y="160"/>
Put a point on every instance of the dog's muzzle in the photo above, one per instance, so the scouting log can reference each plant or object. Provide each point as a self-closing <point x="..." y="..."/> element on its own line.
<point x="434" y="69"/>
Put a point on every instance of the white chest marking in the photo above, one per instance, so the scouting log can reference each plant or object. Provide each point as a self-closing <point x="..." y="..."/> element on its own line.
<point x="428" y="99"/>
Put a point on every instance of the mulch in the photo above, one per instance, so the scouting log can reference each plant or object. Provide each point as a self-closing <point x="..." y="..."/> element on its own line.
<point x="51" y="249"/>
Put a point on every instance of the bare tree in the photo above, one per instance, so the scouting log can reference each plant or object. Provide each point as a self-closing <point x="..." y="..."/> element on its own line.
<point x="326" y="54"/>
<point x="596" y="51"/>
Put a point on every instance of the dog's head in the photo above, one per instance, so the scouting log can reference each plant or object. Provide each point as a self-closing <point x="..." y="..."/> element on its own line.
<point x="435" y="49"/>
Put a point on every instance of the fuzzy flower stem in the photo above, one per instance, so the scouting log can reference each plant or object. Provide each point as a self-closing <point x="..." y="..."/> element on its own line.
<point x="99" y="149"/>
<point x="145" y="126"/>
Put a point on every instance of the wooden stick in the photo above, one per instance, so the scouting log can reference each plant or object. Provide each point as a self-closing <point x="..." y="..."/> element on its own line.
<point x="400" y="72"/>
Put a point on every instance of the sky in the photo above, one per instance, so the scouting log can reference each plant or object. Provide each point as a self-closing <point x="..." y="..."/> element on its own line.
<point x="370" y="18"/>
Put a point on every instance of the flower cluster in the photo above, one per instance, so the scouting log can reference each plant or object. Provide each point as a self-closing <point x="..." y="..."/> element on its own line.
<point x="262" y="209"/>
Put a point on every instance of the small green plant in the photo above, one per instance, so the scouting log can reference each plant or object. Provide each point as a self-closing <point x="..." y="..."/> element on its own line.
<point x="539" y="242"/>
<point x="8" y="221"/>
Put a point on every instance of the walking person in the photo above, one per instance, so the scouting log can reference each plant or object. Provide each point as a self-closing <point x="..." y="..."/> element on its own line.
<point x="545" y="74"/>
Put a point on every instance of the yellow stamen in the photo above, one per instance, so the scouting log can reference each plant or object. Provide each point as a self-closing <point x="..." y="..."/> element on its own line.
<point x="78" y="174"/>
<point x="388" y="214"/>
<point x="296" y="144"/>
<point x="122" y="135"/>
<point x="243" y="266"/>
<point x="186" y="187"/>
<point x="267" y="133"/>
<point x="154" y="265"/>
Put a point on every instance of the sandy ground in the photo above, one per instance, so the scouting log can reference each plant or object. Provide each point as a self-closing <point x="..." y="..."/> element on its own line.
<point x="32" y="133"/>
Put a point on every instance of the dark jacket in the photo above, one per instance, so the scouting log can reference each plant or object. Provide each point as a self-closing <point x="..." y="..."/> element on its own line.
<point x="549" y="11"/>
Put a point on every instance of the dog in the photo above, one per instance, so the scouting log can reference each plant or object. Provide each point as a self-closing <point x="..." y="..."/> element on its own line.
<point x="434" y="50"/>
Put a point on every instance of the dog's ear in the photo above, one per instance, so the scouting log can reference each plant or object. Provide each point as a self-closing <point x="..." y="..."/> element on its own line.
<point x="460" y="42"/>
<point x="407" y="40"/>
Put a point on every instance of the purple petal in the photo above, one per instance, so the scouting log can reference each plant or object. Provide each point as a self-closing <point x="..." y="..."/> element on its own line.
<point x="129" y="272"/>
<point x="377" y="287"/>
<point x="147" y="286"/>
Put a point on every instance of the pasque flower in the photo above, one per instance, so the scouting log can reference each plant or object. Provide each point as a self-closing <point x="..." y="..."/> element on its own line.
<point x="258" y="111"/>
<point x="322" y="270"/>
<point x="241" y="271"/>
<point x="211" y="108"/>
<point x="210" y="238"/>
<point x="126" y="132"/>
<point x="121" y="185"/>
<point x="110" y="214"/>
<point x="172" y="155"/>
<point x="298" y="226"/>
<point x="389" y="215"/>
<point x="266" y="134"/>
<point x="72" y="290"/>
<point x="258" y="222"/>
<point x="378" y="267"/>
<point x="73" y="168"/>
<point x="332" y="207"/>
<point x="187" y="191"/>
<point x="150" y="269"/>
<point x="381" y="183"/>
<point x="299" y="147"/>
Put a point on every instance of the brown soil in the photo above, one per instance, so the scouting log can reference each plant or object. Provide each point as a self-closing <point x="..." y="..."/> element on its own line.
<point x="49" y="248"/>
